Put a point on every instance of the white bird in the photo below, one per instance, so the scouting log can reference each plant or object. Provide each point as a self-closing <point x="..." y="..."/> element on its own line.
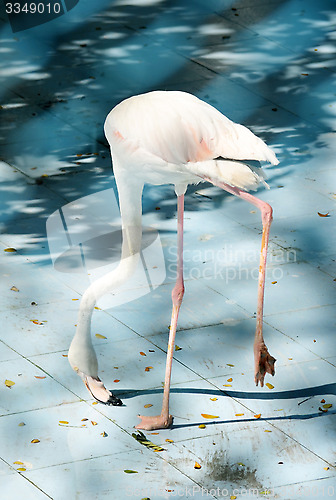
<point x="167" y="137"/>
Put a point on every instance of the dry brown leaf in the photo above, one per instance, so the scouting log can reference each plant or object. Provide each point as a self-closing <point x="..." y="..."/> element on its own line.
<point x="14" y="289"/>
<point x="197" y="466"/>
<point x="148" y="368"/>
<point x="322" y="400"/>
<point x="116" y="380"/>
<point x="206" y="415"/>
<point x="36" y="322"/>
<point x="323" y="215"/>
<point x="142" y="353"/>
<point x="9" y="383"/>
<point x="35" y="441"/>
<point x="148" y="405"/>
<point x="21" y="424"/>
<point x="228" y="364"/>
<point x="40" y="377"/>
<point x="274" y="282"/>
<point x="266" y="430"/>
<point x="229" y="379"/>
<point x="11" y="249"/>
<point x="257" y="416"/>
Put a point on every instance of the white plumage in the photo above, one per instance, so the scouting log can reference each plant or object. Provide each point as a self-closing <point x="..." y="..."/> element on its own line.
<point x="172" y="138"/>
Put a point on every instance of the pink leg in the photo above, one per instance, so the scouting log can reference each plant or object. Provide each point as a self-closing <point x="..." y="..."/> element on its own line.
<point x="263" y="361"/>
<point x="165" y="419"/>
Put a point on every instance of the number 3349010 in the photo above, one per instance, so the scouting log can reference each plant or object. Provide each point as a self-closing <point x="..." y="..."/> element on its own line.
<point x="32" y="8"/>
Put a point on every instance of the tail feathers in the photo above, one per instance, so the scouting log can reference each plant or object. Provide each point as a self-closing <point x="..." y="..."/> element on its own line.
<point x="234" y="173"/>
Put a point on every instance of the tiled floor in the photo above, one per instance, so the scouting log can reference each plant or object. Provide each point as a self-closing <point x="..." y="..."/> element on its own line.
<point x="269" y="64"/>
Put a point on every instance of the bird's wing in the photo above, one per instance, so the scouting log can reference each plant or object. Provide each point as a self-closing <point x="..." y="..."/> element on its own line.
<point x="179" y="128"/>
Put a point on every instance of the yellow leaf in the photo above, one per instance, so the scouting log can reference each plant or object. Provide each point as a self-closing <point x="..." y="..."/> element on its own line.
<point x="169" y="441"/>
<point x="148" y="405"/>
<point x="142" y="353"/>
<point x="155" y="433"/>
<point x="197" y="466"/>
<point x="266" y="430"/>
<point x="228" y="364"/>
<point x="21" y="424"/>
<point x="103" y="434"/>
<point x="128" y="471"/>
<point x="99" y="336"/>
<point x="270" y="386"/>
<point x="327" y="406"/>
<point x="35" y="441"/>
<point x="14" y="289"/>
<point x="229" y="379"/>
<point x="93" y="423"/>
<point x="18" y="463"/>
<point x="177" y="348"/>
<point x="21" y="469"/>
<point x="227" y="385"/>
<point x="274" y="282"/>
<point x="95" y="403"/>
<point x="64" y="422"/>
<point x="239" y="414"/>
<point x="205" y="415"/>
<point x="257" y="416"/>
<point x="40" y="377"/>
<point x="326" y="468"/>
<point x="11" y="249"/>
<point x="97" y="308"/>
<point x="213" y="399"/>
<point x="202" y="426"/>
<point x="233" y="497"/>
<point x="9" y="383"/>
<point x="242" y="465"/>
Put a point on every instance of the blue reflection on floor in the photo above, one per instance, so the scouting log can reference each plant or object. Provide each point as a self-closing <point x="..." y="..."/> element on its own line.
<point x="269" y="65"/>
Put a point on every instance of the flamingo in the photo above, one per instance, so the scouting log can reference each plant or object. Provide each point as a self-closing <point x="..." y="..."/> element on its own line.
<point x="172" y="137"/>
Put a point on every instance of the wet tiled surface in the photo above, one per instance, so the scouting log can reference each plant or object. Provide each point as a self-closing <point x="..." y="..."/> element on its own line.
<point x="267" y="64"/>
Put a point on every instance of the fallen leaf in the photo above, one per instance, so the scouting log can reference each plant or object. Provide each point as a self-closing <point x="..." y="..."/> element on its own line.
<point x="169" y="441"/>
<point x="266" y="430"/>
<point x="64" y="355"/>
<point x="148" y="368"/>
<point x="21" y="424"/>
<point x="21" y="469"/>
<point x="239" y="414"/>
<point x="9" y="383"/>
<point x="257" y="416"/>
<point x="151" y="350"/>
<point x="63" y="422"/>
<point x="241" y="464"/>
<point x="202" y="426"/>
<point x="74" y="299"/>
<point x="322" y="400"/>
<point x="270" y="386"/>
<point x="205" y="415"/>
<point x="229" y="379"/>
<point x="197" y="466"/>
<point x="129" y="471"/>
<point x="84" y="419"/>
<point x="36" y="322"/>
<point x="142" y="353"/>
<point x="95" y="403"/>
<point x="11" y="249"/>
<point x="18" y="463"/>
<point x="99" y="336"/>
<point x="37" y="376"/>
<point x="274" y="282"/>
<point x="326" y="468"/>
<point x="97" y="308"/>
<point x="116" y="380"/>
<point x="104" y="434"/>
<point x="233" y="497"/>
<point x="14" y="289"/>
<point x="155" y="433"/>
<point x="213" y="399"/>
<point x="35" y="441"/>
<point x="227" y="385"/>
<point x="228" y="364"/>
<point x="323" y="215"/>
<point x="148" y="405"/>
<point x="178" y="348"/>
<point x="93" y="423"/>
<point x="327" y="406"/>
